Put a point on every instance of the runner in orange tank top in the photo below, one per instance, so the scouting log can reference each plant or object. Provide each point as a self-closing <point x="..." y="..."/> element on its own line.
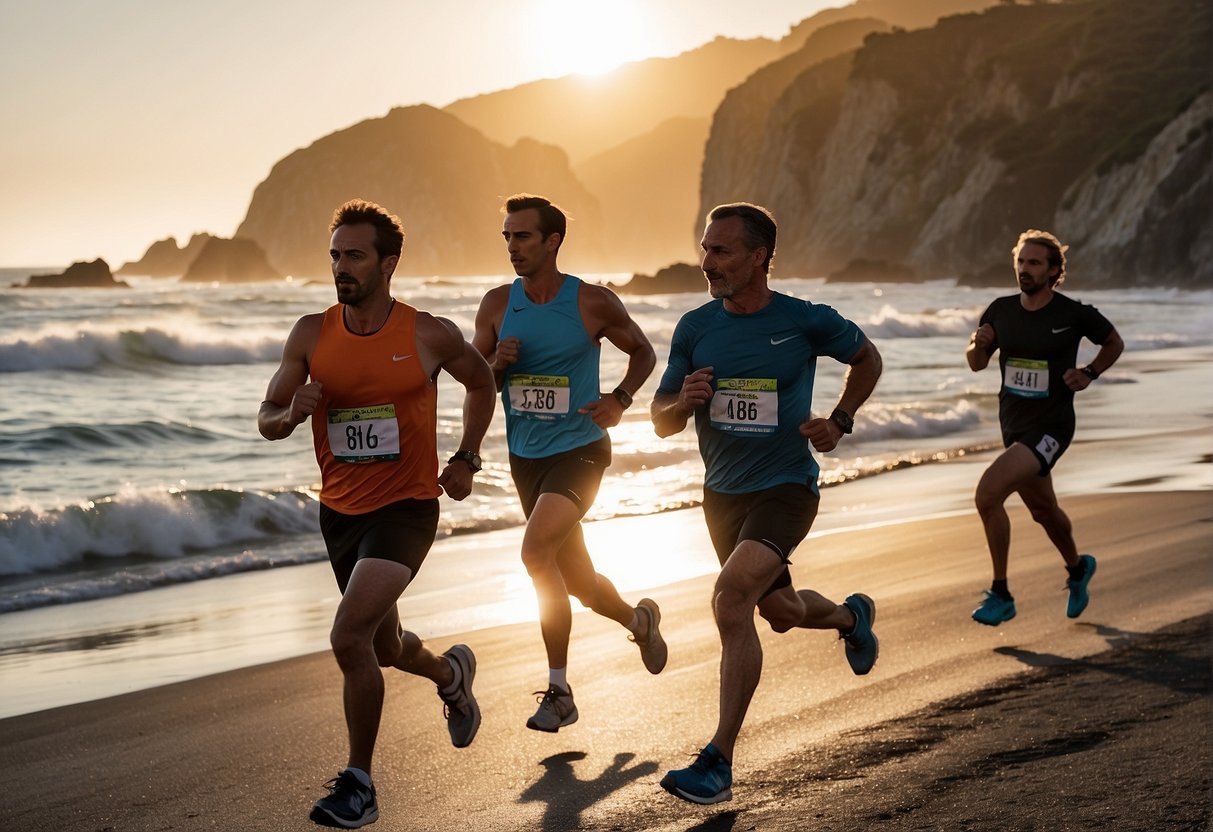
<point x="372" y="398"/>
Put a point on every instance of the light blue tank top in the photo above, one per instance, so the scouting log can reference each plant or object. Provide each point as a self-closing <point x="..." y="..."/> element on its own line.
<point x="556" y="373"/>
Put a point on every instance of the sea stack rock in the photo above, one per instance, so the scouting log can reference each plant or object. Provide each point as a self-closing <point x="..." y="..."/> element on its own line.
<point x="94" y="275"/>
<point x="677" y="277"/>
<point x="164" y="258"/>
<point x="874" y="271"/>
<point x="230" y="261"/>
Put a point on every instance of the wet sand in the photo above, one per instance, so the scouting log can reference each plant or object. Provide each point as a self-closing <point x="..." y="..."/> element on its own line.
<point x="1041" y="723"/>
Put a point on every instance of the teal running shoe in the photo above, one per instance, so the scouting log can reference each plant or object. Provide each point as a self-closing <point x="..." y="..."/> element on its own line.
<point x="861" y="643"/>
<point x="994" y="610"/>
<point x="708" y="780"/>
<point x="1078" y="589"/>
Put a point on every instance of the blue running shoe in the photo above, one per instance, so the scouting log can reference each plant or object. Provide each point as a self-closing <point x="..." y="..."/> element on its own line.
<point x="348" y="805"/>
<point x="1078" y="589"/>
<point x="861" y="643"/>
<point x="708" y="780"/>
<point x="994" y="610"/>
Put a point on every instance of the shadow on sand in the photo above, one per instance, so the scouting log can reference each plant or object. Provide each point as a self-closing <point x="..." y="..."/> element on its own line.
<point x="567" y="796"/>
<point x="1134" y="657"/>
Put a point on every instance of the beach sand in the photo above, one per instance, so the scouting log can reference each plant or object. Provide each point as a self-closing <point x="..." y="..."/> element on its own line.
<point x="1099" y="723"/>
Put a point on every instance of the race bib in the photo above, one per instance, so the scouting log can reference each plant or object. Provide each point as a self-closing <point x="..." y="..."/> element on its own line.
<point x="745" y="405"/>
<point x="1026" y="377"/>
<point x="364" y="434"/>
<point x="539" y="397"/>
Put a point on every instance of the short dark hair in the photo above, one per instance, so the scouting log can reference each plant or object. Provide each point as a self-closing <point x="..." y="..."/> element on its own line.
<point x="1057" y="252"/>
<point x="389" y="233"/>
<point x="551" y="219"/>
<point x="758" y="226"/>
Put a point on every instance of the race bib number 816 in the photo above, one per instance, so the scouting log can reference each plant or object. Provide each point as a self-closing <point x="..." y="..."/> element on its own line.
<point x="364" y="434"/>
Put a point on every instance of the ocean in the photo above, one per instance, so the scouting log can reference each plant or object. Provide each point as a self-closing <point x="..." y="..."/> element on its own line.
<point x="130" y="458"/>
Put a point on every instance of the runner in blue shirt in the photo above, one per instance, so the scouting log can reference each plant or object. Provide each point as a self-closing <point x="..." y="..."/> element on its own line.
<point x="542" y="336"/>
<point x="743" y="366"/>
<point x="1036" y="334"/>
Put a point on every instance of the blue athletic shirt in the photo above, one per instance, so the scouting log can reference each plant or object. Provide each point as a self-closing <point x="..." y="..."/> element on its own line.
<point x="556" y="373"/>
<point x="763" y="381"/>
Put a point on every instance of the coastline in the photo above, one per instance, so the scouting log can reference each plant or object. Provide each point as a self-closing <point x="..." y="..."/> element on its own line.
<point x="64" y="654"/>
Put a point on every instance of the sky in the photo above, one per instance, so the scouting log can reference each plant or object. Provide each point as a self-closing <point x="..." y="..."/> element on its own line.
<point x="128" y="121"/>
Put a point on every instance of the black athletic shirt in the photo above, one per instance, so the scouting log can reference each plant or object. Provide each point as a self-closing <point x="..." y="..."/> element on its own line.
<point x="1035" y="348"/>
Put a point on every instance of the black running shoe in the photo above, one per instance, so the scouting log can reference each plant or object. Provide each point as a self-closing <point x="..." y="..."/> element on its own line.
<point x="348" y="805"/>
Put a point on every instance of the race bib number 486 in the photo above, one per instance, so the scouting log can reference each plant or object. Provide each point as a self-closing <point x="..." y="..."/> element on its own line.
<point x="745" y="405"/>
<point x="539" y="397"/>
<point x="364" y="434"/>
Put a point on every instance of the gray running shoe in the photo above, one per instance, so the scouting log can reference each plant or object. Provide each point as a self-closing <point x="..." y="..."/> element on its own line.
<point x="653" y="651"/>
<point x="460" y="708"/>
<point x="556" y="710"/>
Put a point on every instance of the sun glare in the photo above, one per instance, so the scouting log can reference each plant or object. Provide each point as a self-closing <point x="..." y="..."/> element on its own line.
<point x="590" y="37"/>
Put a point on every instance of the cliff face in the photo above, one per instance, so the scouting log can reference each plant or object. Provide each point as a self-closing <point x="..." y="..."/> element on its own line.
<point x="646" y="188"/>
<point x="588" y="115"/>
<point x="935" y="148"/>
<point x="444" y="179"/>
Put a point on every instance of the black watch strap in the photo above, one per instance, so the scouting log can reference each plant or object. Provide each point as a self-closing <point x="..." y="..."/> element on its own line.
<point x="470" y="458"/>
<point x="843" y="419"/>
<point x="623" y="396"/>
<point x="1090" y="372"/>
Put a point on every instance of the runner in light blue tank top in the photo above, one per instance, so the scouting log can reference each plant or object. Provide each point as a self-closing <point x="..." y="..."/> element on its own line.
<point x="555" y="375"/>
<point x="541" y="336"/>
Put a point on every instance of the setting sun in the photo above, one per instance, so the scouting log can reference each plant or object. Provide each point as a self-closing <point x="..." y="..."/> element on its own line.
<point x="591" y="38"/>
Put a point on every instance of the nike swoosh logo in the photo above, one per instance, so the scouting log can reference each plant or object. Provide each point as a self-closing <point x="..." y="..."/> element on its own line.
<point x="519" y="308"/>
<point x="775" y="343"/>
<point x="400" y="357"/>
<point x="1063" y="329"/>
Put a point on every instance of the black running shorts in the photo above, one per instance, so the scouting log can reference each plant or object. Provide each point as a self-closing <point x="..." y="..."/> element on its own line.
<point x="402" y="531"/>
<point x="575" y="474"/>
<point x="778" y="517"/>
<point x="1047" y="443"/>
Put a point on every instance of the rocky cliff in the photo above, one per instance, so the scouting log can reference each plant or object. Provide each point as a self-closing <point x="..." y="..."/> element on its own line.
<point x="588" y="115"/>
<point x="647" y="188"/>
<point x="934" y="148"/>
<point x="445" y="180"/>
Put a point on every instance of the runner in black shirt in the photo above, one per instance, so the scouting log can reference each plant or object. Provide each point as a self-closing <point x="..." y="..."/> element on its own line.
<point x="1036" y="334"/>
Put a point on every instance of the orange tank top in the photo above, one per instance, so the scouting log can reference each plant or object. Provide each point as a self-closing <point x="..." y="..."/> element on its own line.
<point x="375" y="428"/>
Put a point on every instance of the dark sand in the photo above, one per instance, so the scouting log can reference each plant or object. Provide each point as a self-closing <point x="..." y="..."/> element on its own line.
<point x="1044" y="723"/>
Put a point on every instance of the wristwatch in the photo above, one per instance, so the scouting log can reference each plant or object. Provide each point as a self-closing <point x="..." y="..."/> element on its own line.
<point x="843" y="419"/>
<point x="1090" y="372"/>
<point x="624" y="397"/>
<point x="470" y="458"/>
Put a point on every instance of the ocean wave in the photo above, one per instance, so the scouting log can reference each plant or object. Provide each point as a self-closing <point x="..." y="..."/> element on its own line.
<point x="888" y="322"/>
<point x="95" y="347"/>
<point x="878" y="421"/>
<point x="138" y="579"/>
<point x="142" y="524"/>
<point x="76" y="438"/>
